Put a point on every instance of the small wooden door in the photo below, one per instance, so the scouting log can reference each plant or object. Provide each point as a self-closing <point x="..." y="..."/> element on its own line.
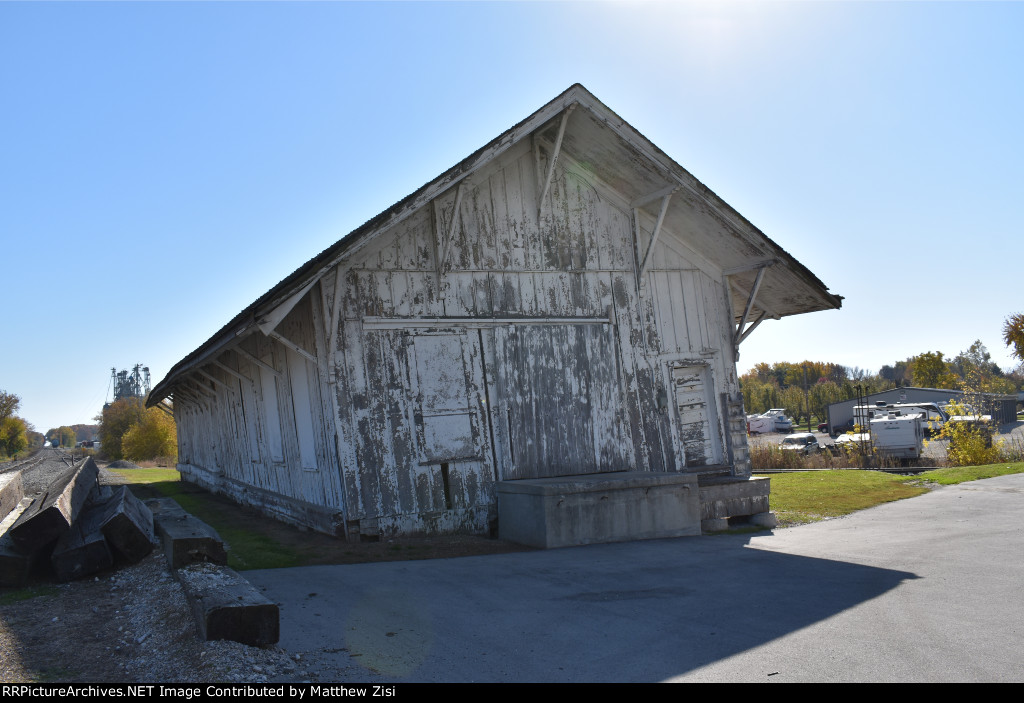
<point x="696" y="416"/>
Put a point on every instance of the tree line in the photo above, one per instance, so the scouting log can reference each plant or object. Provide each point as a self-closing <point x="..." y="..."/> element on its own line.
<point x="807" y="388"/>
<point x="16" y="434"/>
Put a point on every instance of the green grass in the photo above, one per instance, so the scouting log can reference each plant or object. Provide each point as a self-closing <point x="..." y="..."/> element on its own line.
<point x="248" y="548"/>
<point x="959" y="474"/>
<point x="799" y="498"/>
<point x="804" y="497"/>
<point x="20" y="594"/>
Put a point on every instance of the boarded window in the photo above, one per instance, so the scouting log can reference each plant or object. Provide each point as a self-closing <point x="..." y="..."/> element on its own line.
<point x="445" y="422"/>
<point x="270" y="411"/>
<point x="247" y="398"/>
<point x="301" y="403"/>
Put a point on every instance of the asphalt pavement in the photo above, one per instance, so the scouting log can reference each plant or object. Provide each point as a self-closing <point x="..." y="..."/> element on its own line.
<point x="925" y="589"/>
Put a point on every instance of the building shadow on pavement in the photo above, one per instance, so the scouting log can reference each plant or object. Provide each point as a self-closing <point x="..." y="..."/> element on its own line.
<point x="639" y="611"/>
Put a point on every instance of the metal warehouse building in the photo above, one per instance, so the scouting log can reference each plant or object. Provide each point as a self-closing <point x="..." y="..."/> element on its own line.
<point x="1002" y="408"/>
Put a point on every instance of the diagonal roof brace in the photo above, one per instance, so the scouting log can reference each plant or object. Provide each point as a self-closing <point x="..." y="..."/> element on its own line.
<point x="739" y="335"/>
<point x="213" y="379"/>
<point x="760" y="304"/>
<point x="446" y="243"/>
<point x="750" y="328"/>
<point x="554" y="157"/>
<point x="293" y="346"/>
<point x="666" y="198"/>
<point x="258" y="362"/>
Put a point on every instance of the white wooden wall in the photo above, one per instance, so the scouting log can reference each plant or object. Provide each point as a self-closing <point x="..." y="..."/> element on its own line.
<point x="519" y="346"/>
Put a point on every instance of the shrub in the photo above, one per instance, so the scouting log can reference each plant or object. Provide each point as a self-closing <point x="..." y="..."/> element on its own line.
<point x="969" y="442"/>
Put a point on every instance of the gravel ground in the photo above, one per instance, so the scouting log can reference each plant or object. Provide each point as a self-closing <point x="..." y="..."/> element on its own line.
<point x="129" y="625"/>
<point x="133" y="625"/>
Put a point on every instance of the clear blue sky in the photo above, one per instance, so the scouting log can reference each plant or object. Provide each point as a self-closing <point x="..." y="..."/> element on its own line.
<point x="162" y="165"/>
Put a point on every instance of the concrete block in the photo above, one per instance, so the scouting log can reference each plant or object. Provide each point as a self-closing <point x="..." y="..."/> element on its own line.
<point x="598" y="508"/>
<point x="128" y="525"/>
<point x="715" y="524"/>
<point x="764" y="520"/>
<point x="227" y="607"/>
<point x="729" y="496"/>
<point x="82" y="550"/>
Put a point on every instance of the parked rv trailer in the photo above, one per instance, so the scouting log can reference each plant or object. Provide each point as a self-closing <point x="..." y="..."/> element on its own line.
<point x="899" y="436"/>
<point x="932" y="415"/>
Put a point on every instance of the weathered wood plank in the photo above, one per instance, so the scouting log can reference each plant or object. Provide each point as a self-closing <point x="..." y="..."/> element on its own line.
<point x="185" y="538"/>
<point x="11" y="492"/>
<point x="15" y="564"/>
<point x="227" y="607"/>
<point x="53" y="512"/>
<point x="82" y="550"/>
<point x="127" y="524"/>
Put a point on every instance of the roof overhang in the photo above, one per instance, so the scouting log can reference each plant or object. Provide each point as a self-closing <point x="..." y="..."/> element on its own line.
<point x="763" y="280"/>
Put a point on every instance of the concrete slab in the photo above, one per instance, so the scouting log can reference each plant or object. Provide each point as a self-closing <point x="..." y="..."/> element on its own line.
<point x="926" y="589"/>
<point x="598" y="508"/>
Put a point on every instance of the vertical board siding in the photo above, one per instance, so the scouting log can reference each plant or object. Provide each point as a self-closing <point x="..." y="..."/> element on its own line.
<point x="418" y="422"/>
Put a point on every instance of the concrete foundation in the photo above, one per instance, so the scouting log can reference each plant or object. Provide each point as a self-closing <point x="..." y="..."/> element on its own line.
<point x="725" y="497"/>
<point x="598" y="508"/>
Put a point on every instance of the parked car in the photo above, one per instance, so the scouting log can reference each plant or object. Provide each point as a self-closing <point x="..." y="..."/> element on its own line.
<point x="803" y="442"/>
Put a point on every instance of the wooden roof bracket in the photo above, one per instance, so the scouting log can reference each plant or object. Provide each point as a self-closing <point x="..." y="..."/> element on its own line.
<point x="198" y="387"/>
<point x="554" y="158"/>
<point x="665" y="199"/>
<point x="446" y="242"/>
<point x="230" y="371"/>
<point x="332" y="331"/>
<point x="186" y="394"/>
<point x="262" y="364"/>
<point x="216" y="381"/>
<point x="751" y="326"/>
<point x="273" y="334"/>
<point x="740" y="334"/>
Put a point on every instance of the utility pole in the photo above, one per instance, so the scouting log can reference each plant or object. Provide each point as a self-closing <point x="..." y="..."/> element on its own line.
<point x="807" y="402"/>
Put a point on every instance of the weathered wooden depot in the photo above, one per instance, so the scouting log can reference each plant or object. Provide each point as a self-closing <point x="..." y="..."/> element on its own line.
<point x="567" y="301"/>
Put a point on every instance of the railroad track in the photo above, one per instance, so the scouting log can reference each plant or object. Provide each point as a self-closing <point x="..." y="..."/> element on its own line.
<point x="27" y="463"/>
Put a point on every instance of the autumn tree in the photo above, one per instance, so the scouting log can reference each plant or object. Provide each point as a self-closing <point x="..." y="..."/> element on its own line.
<point x="8" y="404"/>
<point x="931" y="370"/>
<point x="13" y="429"/>
<point x="117" y="418"/>
<point x="978" y="373"/>
<point x="1013" y="334"/>
<point x="155" y="435"/>
<point x="13" y="435"/>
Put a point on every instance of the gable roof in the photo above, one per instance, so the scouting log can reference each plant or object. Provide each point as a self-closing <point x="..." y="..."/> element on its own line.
<point x="618" y="155"/>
